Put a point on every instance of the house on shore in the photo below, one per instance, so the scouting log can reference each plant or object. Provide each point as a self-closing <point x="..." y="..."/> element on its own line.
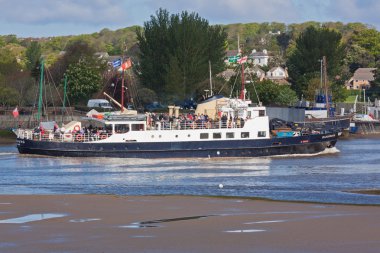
<point x="259" y="58"/>
<point x="362" y="79"/>
<point x="278" y="75"/>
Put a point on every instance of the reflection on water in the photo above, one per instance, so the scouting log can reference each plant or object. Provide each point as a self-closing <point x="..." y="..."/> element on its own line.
<point x="326" y="177"/>
<point x="32" y="217"/>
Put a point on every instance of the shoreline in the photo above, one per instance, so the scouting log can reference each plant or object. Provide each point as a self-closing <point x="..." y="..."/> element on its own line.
<point x="113" y="223"/>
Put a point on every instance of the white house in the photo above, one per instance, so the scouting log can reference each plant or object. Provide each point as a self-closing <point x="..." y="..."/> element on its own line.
<point x="278" y="75"/>
<point x="256" y="71"/>
<point x="259" y="58"/>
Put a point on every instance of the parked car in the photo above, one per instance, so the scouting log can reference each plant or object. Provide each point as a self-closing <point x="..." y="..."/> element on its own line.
<point x="99" y="103"/>
<point x="154" y="107"/>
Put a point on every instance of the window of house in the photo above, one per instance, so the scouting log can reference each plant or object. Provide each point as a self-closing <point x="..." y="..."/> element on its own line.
<point x="245" y="135"/>
<point x="204" y="135"/>
<point x="137" y="127"/>
<point x="262" y="134"/>
<point x="230" y="135"/>
<point x="217" y="135"/>
<point x="121" y="128"/>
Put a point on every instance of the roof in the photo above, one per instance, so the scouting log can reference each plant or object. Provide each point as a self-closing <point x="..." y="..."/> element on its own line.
<point x="230" y="53"/>
<point x="258" y="54"/>
<point x="227" y="74"/>
<point x="274" y="68"/>
<point x="365" y="74"/>
<point x="254" y="69"/>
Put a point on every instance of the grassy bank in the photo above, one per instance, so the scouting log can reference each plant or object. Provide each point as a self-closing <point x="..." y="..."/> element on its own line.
<point x="7" y="133"/>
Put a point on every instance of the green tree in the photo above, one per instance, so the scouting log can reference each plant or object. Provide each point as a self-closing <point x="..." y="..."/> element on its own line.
<point x="33" y="55"/>
<point x="83" y="80"/>
<point x="370" y="40"/>
<point x="8" y="96"/>
<point x="271" y="93"/>
<point x="182" y="43"/>
<point x="77" y="51"/>
<point x="311" y="46"/>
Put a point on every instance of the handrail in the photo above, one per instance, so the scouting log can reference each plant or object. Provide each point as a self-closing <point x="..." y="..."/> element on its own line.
<point x="59" y="137"/>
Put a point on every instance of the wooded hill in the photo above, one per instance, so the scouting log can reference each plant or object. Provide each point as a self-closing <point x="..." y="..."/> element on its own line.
<point x="361" y="49"/>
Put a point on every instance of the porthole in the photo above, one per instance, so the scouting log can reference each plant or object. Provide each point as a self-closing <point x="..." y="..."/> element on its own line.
<point x="152" y="136"/>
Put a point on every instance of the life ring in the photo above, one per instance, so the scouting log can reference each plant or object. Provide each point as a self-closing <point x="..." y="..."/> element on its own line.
<point x="68" y="136"/>
<point x="76" y="128"/>
<point x="79" y="138"/>
<point x="103" y="136"/>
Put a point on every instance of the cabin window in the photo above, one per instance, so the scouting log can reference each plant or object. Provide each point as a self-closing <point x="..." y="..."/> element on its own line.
<point x="108" y="128"/>
<point x="245" y="135"/>
<point x="249" y="114"/>
<point x="121" y="128"/>
<point x="230" y="135"/>
<point x="204" y="136"/>
<point x="137" y="127"/>
<point x="261" y="113"/>
<point x="217" y="135"/>
<point x="262" y="134"/>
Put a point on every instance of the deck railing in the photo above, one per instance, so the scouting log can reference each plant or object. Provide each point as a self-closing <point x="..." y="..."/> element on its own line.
<point x="187" y="125"/>
<point x="59" y="137"/>
<point x="90" y="137"/>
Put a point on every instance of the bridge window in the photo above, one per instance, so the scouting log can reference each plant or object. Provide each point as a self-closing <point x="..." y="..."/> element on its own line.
<point x="121" y="128"/>
<point x="262" y="134"/>
<point x="230" y="135"/>
<point x="137" y="127"/>
<point x="217" y="135"/>
<point x="204" y="136"/>
<point x="245" y="135"/>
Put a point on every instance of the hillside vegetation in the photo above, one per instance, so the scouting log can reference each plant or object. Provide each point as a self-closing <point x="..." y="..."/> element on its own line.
<point x="19" y="63"/>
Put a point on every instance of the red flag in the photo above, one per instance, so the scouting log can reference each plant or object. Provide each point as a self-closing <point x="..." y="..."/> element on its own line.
<point x="243" y="60"/>
<point x="15" y="112"/>
<point x="127" y="64"/>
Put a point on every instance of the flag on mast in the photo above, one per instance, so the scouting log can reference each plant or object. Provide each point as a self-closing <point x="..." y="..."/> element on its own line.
<point x="15" y="112"/>
<point x="127" y="64"/>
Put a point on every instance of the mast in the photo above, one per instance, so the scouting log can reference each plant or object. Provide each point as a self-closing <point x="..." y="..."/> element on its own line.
<point x="326" y="86"/>
<point x="242" y="95"/>
<point x="209" y="66"/>
<point x="64" y="96"/>
<point x="122" y="90"/>
<point x="40" y="92"/>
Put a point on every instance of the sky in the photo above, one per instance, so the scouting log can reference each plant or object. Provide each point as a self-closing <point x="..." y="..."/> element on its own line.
<point x="43" y="18"/>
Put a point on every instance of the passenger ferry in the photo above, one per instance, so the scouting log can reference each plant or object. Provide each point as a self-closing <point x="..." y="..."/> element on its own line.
<point x="240" y="129"/>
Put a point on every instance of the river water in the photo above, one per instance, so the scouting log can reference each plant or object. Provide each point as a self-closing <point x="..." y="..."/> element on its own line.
<point x="353" y="165"/>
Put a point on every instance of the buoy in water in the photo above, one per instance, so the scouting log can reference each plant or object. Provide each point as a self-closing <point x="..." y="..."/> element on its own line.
<point x="220" y="186"/>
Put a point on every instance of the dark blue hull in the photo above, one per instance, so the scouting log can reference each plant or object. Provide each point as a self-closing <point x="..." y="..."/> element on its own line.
<point x="229" y="148"/>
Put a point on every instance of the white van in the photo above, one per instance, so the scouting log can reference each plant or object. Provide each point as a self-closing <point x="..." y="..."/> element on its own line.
<point x="99" y="103"/>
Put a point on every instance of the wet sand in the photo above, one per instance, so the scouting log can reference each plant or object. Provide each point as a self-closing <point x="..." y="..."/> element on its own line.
<point x="96" y="223"/>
